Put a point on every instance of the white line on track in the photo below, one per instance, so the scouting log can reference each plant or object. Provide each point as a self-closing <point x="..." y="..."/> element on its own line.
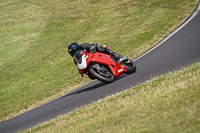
<point x="170" y="35"/>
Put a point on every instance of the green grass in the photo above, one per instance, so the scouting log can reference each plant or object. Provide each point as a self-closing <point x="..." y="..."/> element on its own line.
<point x="35" y="66"/>
<point x="167" y="104"/>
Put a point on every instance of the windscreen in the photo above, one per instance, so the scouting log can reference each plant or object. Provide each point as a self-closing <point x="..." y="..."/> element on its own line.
<point x="78" y="56"/>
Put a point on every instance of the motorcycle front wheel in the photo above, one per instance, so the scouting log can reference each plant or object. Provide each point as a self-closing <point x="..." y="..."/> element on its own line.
<point x="104" y="76"/>
<point x="130" y="66"/>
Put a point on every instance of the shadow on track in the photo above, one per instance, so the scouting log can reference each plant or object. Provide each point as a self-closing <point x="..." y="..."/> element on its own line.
<point x="86" y="89"/>
<point x="92" y="87"/>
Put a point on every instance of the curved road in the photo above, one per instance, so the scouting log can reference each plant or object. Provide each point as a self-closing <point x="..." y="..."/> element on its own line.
<point x="179" y="49"/>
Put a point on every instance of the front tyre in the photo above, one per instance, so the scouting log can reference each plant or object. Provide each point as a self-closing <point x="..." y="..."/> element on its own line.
<point x="104" y="76"/>
<point x="130" y="66"/>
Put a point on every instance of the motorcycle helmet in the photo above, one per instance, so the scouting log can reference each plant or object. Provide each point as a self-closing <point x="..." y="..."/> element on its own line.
<point x="72" y="48"/>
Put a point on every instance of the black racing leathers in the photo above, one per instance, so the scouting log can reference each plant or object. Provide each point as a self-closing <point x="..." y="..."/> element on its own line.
<point x="102" y="49"/>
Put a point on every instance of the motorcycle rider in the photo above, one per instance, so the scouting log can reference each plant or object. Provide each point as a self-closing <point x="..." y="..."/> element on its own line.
<point x="74" y="47"/>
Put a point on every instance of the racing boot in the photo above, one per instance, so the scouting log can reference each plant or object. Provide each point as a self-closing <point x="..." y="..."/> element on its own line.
<point x="118" y="57"/>
<point x="105" y="49"/>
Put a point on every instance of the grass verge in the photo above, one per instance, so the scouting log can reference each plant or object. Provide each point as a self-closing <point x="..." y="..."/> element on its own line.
<point x="35" y="66"/>
<point x="167" y="104"/>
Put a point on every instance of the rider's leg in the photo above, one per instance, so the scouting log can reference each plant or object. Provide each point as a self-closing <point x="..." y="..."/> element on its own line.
<point x="105" y="49"/>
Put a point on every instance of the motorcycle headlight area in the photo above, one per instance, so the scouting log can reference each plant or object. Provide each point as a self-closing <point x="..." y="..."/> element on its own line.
<point x="78" y="56"/>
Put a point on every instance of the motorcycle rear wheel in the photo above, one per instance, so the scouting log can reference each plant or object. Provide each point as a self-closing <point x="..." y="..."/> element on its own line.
<point x="96" y="74"/>
<point x="130" y="66"/>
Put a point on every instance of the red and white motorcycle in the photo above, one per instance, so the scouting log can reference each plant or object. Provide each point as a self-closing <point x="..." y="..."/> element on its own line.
<point x="101" y="66"/>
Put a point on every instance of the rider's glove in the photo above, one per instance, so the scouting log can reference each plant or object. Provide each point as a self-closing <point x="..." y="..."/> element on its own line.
<point x="93" y="47"/>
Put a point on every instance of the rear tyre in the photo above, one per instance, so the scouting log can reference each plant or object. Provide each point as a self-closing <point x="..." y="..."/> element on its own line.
<point x="104" y="76"/>
<point x="130" y="66"/>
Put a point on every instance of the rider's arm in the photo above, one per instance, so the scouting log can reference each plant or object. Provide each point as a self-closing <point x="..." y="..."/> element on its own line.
<point x="89" y="47"/>
<point x="85" y="46"/>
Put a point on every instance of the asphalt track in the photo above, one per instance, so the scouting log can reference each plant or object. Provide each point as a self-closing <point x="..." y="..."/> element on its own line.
<point x="179" y="49"/>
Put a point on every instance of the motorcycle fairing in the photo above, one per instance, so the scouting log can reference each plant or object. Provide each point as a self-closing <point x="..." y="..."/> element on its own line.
<point x="99" y="58"/>
<point x="83" y="64"/>
<point x="105" y="59"/>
